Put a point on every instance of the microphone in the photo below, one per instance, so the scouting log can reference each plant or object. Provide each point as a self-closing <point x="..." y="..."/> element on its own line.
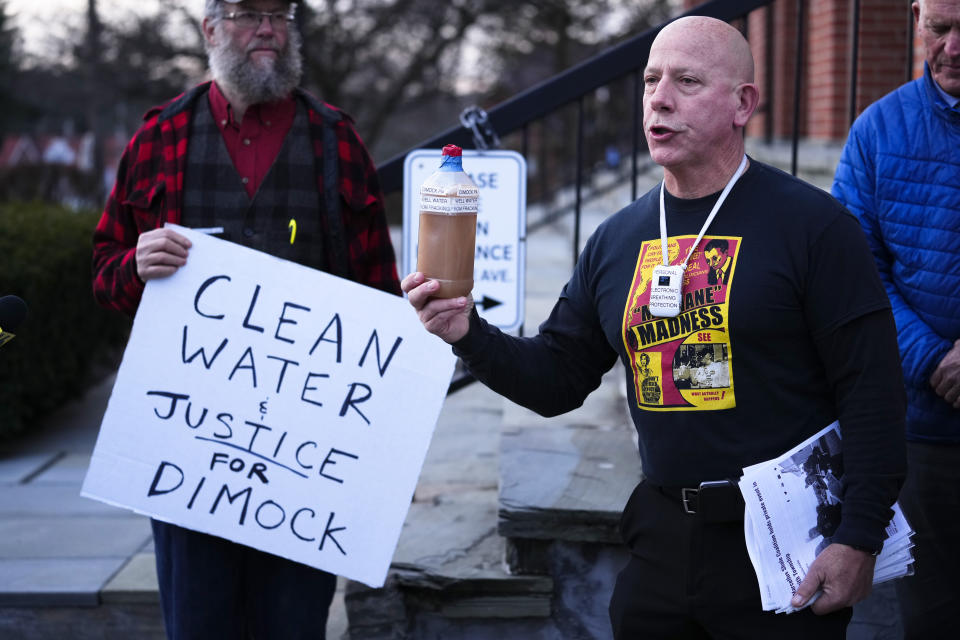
<point x="12" y="312"/>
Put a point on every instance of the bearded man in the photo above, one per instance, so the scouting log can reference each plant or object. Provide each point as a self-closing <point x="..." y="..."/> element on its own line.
<point x="281" y="172"/>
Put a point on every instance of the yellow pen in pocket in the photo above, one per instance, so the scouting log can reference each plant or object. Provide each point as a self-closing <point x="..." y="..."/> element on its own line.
<point x="293" y="230"/>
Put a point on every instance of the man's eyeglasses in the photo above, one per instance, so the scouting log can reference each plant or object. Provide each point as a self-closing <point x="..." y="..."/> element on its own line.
<point x="252" y="19"/>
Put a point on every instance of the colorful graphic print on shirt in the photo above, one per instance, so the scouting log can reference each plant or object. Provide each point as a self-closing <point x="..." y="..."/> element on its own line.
<point x="683" y="363"/>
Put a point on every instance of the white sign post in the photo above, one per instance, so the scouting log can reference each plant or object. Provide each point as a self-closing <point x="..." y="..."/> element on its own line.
<point x="500" y="262"/>
<point x="273" y="405"/>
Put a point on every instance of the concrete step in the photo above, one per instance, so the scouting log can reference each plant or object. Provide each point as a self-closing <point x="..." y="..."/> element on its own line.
<point x="591" y="472"/>
<point x="447" y="570"/>
<point x="561" y="484"/>
<point x="448" y="566"/>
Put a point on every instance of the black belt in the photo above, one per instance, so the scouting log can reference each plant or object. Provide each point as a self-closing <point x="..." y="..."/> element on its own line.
<point x="714" y="501"/>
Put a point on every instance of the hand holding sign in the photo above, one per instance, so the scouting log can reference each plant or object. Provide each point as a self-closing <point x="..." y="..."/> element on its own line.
<point x="160" y="252"/>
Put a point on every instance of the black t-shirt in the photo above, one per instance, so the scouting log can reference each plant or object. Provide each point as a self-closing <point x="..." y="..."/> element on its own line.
<point x="785" y="327"/>
<point x="736" y="378"/>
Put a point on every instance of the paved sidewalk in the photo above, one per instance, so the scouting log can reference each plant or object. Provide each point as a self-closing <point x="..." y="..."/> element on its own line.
<point x="57" y="548"/>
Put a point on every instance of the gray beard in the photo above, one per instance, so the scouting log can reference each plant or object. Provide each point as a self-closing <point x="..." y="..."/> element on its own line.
<point x="256" y="84"/>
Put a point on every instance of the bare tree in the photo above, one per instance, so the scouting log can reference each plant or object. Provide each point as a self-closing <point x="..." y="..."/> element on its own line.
<point x="369" y="57"/>
<point x="90" y="57"/>
<point x="9" y="105"/>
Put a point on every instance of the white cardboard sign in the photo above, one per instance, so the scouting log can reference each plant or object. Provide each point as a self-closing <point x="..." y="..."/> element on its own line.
<point x="274" y="405"/>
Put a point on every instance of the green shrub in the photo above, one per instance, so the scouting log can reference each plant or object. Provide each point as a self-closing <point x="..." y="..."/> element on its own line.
<point x="66" y="341"/>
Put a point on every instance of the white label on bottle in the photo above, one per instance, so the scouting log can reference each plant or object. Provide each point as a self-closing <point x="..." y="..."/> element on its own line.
<point x="469" y="191"/>
<point x="448" y="205"/>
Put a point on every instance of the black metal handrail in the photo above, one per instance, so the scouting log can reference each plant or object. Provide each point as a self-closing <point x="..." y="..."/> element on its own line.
<point x="549" y="96"/>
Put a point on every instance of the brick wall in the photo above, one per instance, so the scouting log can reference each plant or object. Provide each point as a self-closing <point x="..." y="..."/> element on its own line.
<point x="826" y="84"/>
<point x="882" y="65"/>
<point x="772" y="33"/>
<point x="826" y="69"/>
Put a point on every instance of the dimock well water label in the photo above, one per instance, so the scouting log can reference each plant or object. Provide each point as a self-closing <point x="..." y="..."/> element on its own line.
<point x="462" y="202"/>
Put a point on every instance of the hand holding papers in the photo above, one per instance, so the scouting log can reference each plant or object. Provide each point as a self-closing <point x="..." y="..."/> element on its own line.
<point x="793" y="510"/>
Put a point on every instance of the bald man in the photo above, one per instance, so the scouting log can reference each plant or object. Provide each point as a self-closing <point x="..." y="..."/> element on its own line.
<point x="802" y="327"/>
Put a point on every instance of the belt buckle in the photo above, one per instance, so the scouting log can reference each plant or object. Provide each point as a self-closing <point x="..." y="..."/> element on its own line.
<point x="688" y="494"/>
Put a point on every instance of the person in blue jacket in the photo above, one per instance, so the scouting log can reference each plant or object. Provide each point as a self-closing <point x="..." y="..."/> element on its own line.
<point x="900" y="174"/>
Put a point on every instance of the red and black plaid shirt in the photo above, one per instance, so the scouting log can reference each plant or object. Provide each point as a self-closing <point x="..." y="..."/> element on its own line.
<point x="149" y="192"/>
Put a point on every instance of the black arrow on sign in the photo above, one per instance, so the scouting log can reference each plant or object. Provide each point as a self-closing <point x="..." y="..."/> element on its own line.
<point x="489" y="303"/>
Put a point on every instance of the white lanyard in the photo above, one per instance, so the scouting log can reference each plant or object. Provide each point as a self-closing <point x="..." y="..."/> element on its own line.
<point x="713" y="213"/>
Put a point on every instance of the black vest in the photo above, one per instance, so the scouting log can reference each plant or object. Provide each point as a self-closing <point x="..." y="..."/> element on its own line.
<point x="214" y="195"/>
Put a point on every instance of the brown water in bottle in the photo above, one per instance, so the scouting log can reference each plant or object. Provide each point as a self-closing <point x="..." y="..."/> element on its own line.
<point x="447" y="244"/>
<point x="449" y="201"/>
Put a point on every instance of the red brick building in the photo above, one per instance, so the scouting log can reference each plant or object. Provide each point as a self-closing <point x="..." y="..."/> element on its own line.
<point x="885" y="31"/>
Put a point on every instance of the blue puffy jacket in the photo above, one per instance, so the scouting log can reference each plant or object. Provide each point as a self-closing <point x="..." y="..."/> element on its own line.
<point x="900" y="175"/>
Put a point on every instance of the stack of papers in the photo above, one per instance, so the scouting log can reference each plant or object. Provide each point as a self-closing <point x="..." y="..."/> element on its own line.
<point x="793" y="510"/>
